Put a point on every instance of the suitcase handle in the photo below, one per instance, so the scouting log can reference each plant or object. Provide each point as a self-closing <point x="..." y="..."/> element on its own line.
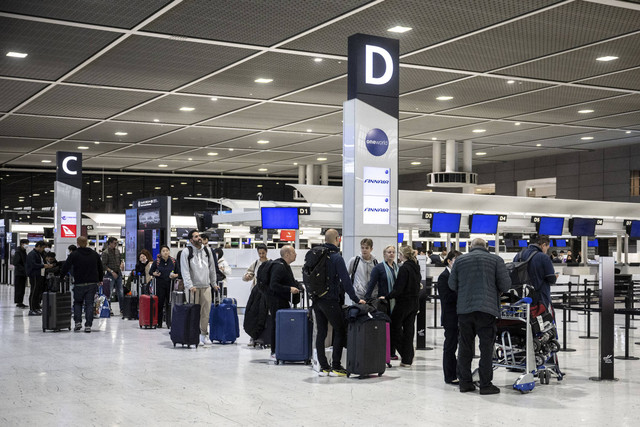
<point x="302" y="294"/>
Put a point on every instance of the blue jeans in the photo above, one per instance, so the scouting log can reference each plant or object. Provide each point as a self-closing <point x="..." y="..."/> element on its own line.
<point x="84" y="294"/>
<point x="117" y="283"/>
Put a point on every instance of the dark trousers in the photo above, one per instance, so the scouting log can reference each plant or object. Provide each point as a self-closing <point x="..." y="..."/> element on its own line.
<point x="37" y="288"/>
<point x="471" y="325"/>
<point x="403" y="320"/>
<point x="84" y="294"/>
<point x="163" y="291"/>
<point x="449" y="362"/>
<point x="275" y="304"/>
<point x="20" y="285"/>
<point x="327" y="311"/>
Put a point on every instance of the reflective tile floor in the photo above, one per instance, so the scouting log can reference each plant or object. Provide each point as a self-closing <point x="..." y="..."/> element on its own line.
<point x="122" y="375"/>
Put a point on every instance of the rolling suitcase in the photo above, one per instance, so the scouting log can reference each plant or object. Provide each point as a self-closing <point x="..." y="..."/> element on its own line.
<point x="148" y="317"/>
<point x="56" y="307"/>
<point x="366" y="346"/>
<point x="185" y="325"/>
<point x="388" y="349"/>
<point x="129" y="307"/>
<point x="223" y="320"/>
<point x="294" y="330"/>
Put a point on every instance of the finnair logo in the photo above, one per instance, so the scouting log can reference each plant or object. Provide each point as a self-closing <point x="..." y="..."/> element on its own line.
<point x="376" y="209"/>
<point x="376" y="181"/>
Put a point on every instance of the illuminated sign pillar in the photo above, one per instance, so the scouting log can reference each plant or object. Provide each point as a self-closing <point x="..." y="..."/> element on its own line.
<point x="67" y="201"/>
<point x="370" y="145"/>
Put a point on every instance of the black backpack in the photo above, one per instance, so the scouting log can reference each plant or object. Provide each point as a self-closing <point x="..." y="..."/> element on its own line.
<point x="263" y="276"/>
<point x="178" y="268"/>
<point x="519" y="270"/>
<point x="314" y="271"/>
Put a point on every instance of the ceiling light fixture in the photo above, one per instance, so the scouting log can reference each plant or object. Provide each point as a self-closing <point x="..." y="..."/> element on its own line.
<point x="586" y="138"/>
<point x="444" y="98"/>
<point x="295" y="163"/>
<point x="129" y="193"/>
<point x="259" y="185"/>
<point x="231" y="149"/>
<point x="214" y="98"/>
<point x="157" y="188"/>
<point x="538" y="145"/>
<point x="479" y="130"/>
<point x="189" y="158"/>
<point x="317" y="59"/>
<point x="45" y="161"/>
<point x="187" y="108"/>
<point x="263" y="141"/>
<point x="309" y="130"/>
<point x="434" y="139"/>
<point x="585" y="111"/>
<point x="416" y="163"/>
<point x="212" y="153"/>
<point x="263" y="170"/>
<point x="321" y="159"/>
<point x="156" y="120"/>
<point x="263" y="80"/>
<point x="97" y="142"/>
<point x="121" y="134"/>
<point x="399" y="29"/>
<point x="481" y="153"/>
<point x="510" y="82"/>
<point x="516" y="124"/>
<point x="163" y="166"/>
<point x="606" y="58"/>
<point x="17" y="54"/>
<point x="183" y="183"/>
<point x="82" y="147"/>
<point x="628" y="131"/>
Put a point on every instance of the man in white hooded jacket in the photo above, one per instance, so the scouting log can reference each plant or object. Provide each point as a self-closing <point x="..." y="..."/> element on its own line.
<point x="197" y="265"/>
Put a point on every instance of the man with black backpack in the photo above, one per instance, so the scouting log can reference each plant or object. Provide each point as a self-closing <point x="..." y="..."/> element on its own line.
<point x="326" y="279"/>
<point x="540" y="268"/>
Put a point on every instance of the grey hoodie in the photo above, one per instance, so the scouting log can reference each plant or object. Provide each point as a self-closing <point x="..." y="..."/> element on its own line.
<point x="201" y="271"/>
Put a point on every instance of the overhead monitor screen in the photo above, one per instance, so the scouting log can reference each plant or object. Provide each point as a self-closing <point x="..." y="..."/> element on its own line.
<point x="400" y="237"/>
<point x="437" y="244"/>
<point x="561" y="243"/>
<point x="491" y="243"/>
<point x="635" y="229"/>
<point x="204" y="221"/>
<point x="522" y="243"/>
<point x="550" y="226"/>
<point x="277" y="218"/>
<point x="445" y="222"/>
<point x="592" y="243"/>
<point x="149" y="218"/>
<point x="582" y="226"/>
<point x="463" y="244"/>
<point x="487" y="224"/>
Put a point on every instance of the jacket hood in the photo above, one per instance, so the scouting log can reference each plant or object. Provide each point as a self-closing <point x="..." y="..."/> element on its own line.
<point x="412" y="265"/>
<point x="84" y="251"/>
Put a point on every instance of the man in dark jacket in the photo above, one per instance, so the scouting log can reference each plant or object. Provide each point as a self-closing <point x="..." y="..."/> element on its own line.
<point x="19" y="262"/>
<point x="449" y="320"/>
<point x="328" y="308"/>
<point x="282" y="284"/>
<point x="87" y="272"/>
<point x="479" y="278"/>
<point x="540" y="268"/>
<point x="35" y="266"/>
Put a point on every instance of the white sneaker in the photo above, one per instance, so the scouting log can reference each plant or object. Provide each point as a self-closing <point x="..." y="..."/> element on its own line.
<point x="205" y="341"/>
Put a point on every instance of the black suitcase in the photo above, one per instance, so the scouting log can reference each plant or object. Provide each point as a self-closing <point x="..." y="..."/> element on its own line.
<point x="366" y="347"/>
<point x="56" y="307"/>
<point x="185" y="325"/>
<point x="129" y="307"/>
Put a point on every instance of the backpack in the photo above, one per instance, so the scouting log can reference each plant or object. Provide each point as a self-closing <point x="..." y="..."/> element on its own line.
<point x="314" y="271"/>
<point x="178" y="268"/>
<point x="519" y="270"/>
<point x="355" y="267"/>
<point x="263" y="276"/>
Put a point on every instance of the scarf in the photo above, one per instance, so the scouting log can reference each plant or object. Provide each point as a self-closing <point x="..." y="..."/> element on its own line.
<point x="392" y="272"/>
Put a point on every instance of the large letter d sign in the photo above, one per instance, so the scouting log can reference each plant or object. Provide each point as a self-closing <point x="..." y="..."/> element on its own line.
<point x="388" y="62"/>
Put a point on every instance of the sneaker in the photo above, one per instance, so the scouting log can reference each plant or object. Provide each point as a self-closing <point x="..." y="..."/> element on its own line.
<point x="467" y="387"/>
<point x="87" y="329"/>
<point x="455" y="382"/>
<point x="338" y="372"/>
<point x="394" y="357"/>
<point x="204" y="340"/>
<point x="405" y="365"/>
<point x="324" y="372"/>
<point x="489" y="390"/>
<point x="77" y="327"/>
<point x="38" y="312"/>
<point x="22" y="305"/>
<point x="33" y="313"/>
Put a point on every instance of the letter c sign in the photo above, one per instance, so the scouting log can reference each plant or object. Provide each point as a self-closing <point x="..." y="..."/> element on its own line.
<point x="370" y="50"/>
<point x="65" y="165"/>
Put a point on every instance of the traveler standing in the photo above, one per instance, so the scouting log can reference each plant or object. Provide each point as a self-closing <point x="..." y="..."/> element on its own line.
<point x="282" y="284"/>
<point x="479" y="278"/>
<point x="87" y="272"/>
<point x="405" y="293"/>
<point x="114" y="265"/>
<point x="143" y="266"/>
<point x="435" y="259"/>
<point x="360" y="267"/>
<point x="35" y="267"/>
<point x="540" y="268"/>
<point x="197" y="265"/>
<point x="163" y="270"/>
<point x="223" y="266"/>
<point x="449" y="320"/>
<point x="328" y="307"/>
<point x="19" y="262"/>
<point x="250" y="275"/>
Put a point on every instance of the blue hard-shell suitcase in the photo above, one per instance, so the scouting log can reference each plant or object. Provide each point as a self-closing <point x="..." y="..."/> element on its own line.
<point x="294" y="330"/>
<point x="224" y="326"/>
<point x="185" y="325"/>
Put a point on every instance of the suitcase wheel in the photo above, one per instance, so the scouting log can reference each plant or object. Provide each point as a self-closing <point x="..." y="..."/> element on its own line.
<point x="174" y="345"/>
<point x="380" y="374"/>
<point x="388" y="365"/>
<point x="348" y="374"/>
<point x="278" y="362"/>
<point x="140" y="326"/>
<point x="307" y="362"/>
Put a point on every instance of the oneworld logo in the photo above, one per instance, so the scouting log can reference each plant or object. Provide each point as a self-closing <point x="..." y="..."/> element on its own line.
<point x="377" y="142"/>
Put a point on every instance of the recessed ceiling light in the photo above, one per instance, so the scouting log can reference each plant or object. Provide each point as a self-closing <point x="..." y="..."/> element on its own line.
<point x="17" y="54"/>
<point x="45" y="161"/>
<point x="309" y="130"/>
<point x="538" y="145"/>
<point x="628" y="131"/>
<point x="606" y="58"/>
<point x="416" y="163"/>
<point x="263" y="170"/>
<point x="481" y="153"/>
<point x="259" y="185"/>
<point x="586" y="138"/>
<point x="163" y="166"/>
<point x="187" y="108"/>
<point x="444" y="98"/>
<point x="516" y="124"/>
<point x="510" y="82"/>
<point x="109" y="197"/>
<point x="183" y="183"/>
<point x="295" y="163"/>
<point x="36" y="194"/>
<point x="321" y="159"/>
<point x="96" y="181"/>
<point x="173" y="198"/>
<point x="479" y="130"/>
<point x="230" y="149"/>
<point x="157" y="188"/>
<point x="213" y="153"/>
<point x="317" y="59"/>
<point x="129" y="193"/>
<point x="97" y="142"/>
<point x="214" y="98"/>
<point x="399" y="29"/>
<point x="156" y="120"/>
<point x="263" y="80"/>
<point x="190" y="158"/>
<point x="121" y="133"/>
<point x="263" y="141"/>
<point x="434" y="139"/>
<point x="198" y="194"/>
<point x="82" y="147"/>
<point x="585" y="111"/>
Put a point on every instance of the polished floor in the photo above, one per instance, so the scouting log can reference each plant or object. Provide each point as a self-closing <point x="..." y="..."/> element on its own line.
<point x="122" y="375"/>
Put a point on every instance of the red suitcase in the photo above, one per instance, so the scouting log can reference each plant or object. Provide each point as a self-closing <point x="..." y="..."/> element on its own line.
<point x="148" y="310"/>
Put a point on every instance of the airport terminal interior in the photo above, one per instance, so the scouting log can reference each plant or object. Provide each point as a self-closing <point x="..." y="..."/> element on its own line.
<point x="513" y="118"/>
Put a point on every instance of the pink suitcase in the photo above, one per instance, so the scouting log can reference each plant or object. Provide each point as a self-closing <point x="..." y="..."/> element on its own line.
<point x="388" y="355"/>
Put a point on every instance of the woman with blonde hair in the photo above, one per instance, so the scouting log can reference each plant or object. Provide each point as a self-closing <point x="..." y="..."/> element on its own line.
<point x="405" y="294"/>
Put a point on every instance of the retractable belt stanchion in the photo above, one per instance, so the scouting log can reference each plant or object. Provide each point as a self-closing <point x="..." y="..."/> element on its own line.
<point x="627" y="323"/>
<point x="585" y="293"/>
<point x="566" y="304"/>
<point x="628" y="304"/>
<point x="565" y="307"/>
<point x="588" y="311"/>
<point x="421" y="318"/>
<point x="435" y="297"/>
